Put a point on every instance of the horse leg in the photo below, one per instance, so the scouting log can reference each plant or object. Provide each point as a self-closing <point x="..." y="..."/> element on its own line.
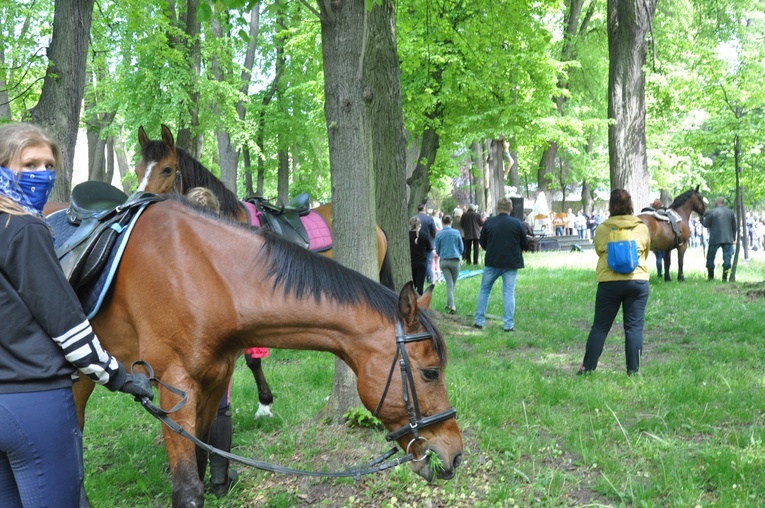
<point x="680" y="255"/>
<point x="265" y="397"/>
<point x="188" y="488"/>
<point x="667" y="264"/>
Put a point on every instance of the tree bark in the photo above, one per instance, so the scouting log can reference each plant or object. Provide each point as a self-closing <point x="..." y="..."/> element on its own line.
<point x="388" y="136"/>
<point x="343" y="34"/>
<point x="628" y="24"/>
<point x="58" y="109"/>
<point x="496" y="173"/>
<point x="186" y="137"/>
<point x="5" y="105"/>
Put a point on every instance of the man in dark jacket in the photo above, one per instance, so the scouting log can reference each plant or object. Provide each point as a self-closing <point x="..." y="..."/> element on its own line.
<point x="721" y="223"/>
<point x="471" y="228"/>
<point x="504" y="239"/>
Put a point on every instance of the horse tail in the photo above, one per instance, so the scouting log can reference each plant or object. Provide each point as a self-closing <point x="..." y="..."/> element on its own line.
<point x="386" y="270"/>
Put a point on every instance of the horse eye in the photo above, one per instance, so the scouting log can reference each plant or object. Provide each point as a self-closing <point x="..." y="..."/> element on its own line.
<point x="166" y="171"/>
<point x="430" y="374"/>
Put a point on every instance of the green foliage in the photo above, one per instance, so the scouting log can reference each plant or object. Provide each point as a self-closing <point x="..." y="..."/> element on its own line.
<point x="361" y="417"/>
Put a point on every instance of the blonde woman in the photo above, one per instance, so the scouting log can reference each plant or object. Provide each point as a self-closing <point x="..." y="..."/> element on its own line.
<point x="46" y="337"/>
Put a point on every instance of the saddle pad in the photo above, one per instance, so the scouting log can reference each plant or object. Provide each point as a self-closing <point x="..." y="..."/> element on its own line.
<point x="92" y="294"/>
<point x="256" y="352"/>
<point x="319" y="234"/>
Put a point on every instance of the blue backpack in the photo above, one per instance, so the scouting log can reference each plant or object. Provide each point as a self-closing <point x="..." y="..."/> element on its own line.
<point x="622" y="253"/>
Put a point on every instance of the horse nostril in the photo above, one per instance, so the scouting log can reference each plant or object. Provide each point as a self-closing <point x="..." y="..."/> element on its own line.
<point x="457" y="461"/>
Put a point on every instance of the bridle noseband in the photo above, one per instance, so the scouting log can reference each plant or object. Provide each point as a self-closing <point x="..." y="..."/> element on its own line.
<point x="416" y="421"/>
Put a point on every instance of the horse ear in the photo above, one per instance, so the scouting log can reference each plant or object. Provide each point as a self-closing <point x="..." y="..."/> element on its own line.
<point x="167" y="136"/>
<point x="143" y="139"/>
<point x="423" y="302"/>
<point x="407" y="304"/>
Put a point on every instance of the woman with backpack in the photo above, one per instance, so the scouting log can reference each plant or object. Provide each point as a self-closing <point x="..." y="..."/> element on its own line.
<point x="617" y="286"/>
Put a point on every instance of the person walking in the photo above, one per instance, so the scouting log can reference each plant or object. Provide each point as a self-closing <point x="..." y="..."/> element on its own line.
<point x="449" y="249"/>
<point x="471" y="228"/>
<point x="46" y="337"/>
<point x="626" y="290"/>
<point x="721" y="223"/>
<point x="504" y="239"/>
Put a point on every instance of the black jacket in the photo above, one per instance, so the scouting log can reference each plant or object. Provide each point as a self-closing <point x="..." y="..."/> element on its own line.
<point x="504" y="239"/>
<point x="44" y="336"/>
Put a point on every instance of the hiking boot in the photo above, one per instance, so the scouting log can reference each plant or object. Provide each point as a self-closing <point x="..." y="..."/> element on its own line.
<point x="710" y="274"/>
<point x="725" y="275"/>
<point x="221" y="489"/>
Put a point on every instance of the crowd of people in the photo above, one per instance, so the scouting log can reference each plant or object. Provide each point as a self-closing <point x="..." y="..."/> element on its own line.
<point x="504" y="238"/>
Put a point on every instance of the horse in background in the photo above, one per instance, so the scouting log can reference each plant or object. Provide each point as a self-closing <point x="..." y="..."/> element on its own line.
<point x="663" y="236"/>
<point x="179" y="305"/>
<point x="166" y="168"/>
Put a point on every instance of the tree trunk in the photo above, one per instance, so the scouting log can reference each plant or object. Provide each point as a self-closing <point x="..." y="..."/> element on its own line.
<point x="587" y="201"/>
<point x="5" y="104"/>
<point x="186" y="137"/>
<point x="122" y="163"/>
<point x="343" y="27"/>
<point x="496" y="172"/>
<point x="58" y="109"/>
<point x="283" y="174"/>
<point x="388" y="136"/>
<point x="628" y="24"/>
<point x="419" y="182"/>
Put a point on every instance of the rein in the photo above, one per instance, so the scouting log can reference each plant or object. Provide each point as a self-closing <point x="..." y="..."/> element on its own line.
<point x="381" y="463"/>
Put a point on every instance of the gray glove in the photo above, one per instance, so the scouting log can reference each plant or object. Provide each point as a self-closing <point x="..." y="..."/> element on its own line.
<point x="137" y="385"/>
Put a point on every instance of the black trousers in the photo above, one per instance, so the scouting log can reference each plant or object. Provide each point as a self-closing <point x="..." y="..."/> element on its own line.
<point x="632" y="297"/>
<point x="475" y="246"/>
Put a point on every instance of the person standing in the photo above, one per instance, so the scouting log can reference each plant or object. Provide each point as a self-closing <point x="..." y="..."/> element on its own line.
<point x="46" y="337"/>
<point x="504" y="239"/>
<point x="471" y="227"/>
<point x="449" y="248"/>
<point x="420" y="245"/>
<point x="628" y="291"/>
<point x="428" y="228"/>
<point x="721" y="223"/>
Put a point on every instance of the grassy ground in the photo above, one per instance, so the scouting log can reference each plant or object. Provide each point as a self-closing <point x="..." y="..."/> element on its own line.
<point x="688" y="431"/>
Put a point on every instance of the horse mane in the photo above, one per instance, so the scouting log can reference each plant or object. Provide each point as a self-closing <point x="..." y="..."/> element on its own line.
<point x="682" y="198"/>
<point x="304" y="274"/>
<point x="195" y="174"/>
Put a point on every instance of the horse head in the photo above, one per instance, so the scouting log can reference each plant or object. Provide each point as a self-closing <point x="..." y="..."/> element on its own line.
<point x="158" y="168"/>
<point x="414" y="404"/>
<point x="698" y="204"/>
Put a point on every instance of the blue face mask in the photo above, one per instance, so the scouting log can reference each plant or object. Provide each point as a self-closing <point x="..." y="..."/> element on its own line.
<point x="29" y="189"/>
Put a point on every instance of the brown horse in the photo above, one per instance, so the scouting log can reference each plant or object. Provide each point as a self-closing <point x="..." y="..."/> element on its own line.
<point x="663" y="237"/>
<point x="179" y="305"/>
<point x="165" y="168"/>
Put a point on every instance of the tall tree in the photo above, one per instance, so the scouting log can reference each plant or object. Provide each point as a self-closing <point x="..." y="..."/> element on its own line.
<point x="343" y="34"/>
<point x="383" y="77"/>
<point x="629" y="22"/>
<point x="64" y="85"/>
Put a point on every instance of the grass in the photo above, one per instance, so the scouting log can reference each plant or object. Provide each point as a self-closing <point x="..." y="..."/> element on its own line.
<point x="688" y="431"/>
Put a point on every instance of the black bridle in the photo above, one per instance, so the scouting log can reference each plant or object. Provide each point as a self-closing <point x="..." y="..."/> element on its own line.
<point x="416" y="421"/>
<point x="381" y="463"/>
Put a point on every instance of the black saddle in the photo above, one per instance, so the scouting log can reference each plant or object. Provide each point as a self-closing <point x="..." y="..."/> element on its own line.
<point x="284" y="220"/>
<point x="100" y="212"/>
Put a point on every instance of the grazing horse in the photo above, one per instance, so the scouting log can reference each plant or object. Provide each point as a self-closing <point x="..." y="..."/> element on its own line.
<point x="178" y="304"/>
<point x="663" y="237"/>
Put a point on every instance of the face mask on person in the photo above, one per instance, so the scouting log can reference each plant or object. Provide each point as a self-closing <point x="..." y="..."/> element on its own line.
<point x="29" y="189"/>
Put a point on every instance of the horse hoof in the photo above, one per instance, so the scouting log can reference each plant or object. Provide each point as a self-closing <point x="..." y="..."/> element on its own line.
<point x="263" y="412"/>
